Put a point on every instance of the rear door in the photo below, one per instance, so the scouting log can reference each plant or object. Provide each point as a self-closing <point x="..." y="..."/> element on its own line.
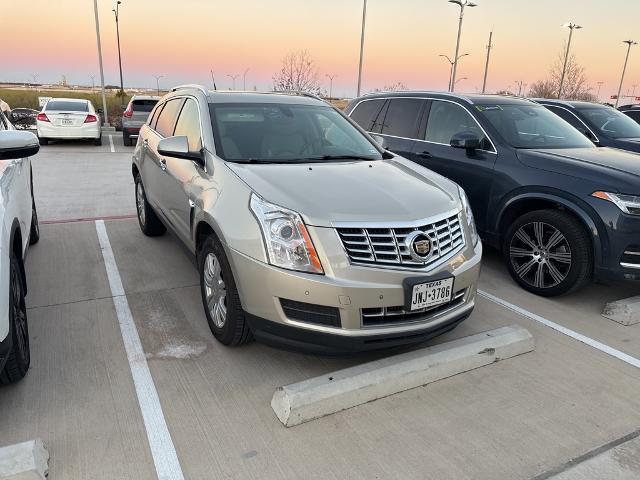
<point x="401" y="123"/>
<point x="180" y="173"/>
<point x="154" y="166"/>
<point x="66" y="114"/>
<point x="472" y="171"/>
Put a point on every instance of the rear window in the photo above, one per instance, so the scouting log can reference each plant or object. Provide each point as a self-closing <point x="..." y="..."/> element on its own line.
<point x="143" y="105"/>
<point x="64" y="106"/>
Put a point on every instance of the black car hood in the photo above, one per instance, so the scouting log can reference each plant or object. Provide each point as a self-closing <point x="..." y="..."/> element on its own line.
<point x="630" y="144"/>
<point x="584" y="162"/>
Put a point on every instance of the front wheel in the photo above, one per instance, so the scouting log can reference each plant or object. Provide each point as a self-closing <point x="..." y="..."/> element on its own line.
<point x="548" y="252"/>
<point x="220" y="297"/>
<point x="19" y="357"/>
<point x="98" y="141"/>
<point x="126" y="139"/>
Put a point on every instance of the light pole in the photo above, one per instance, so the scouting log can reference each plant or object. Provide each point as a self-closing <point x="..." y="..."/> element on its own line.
<point x="116" y="12"/>
<point x="330" y="77"/>
<point x="571" y="26"/>
<point x="93" y="83"/>
<point x="462" y="4"/>
<point x="599" y="87"/>
<point x="104" y="97"/>
<point x="158" y="77"/>
<point x="624" y="69"/>
<point x="452" y="62"/>
<point x="364" y="21"/>
<point x="233" y="77"/>
<point x="244" y="80"/>
<point x="486" y="65"/>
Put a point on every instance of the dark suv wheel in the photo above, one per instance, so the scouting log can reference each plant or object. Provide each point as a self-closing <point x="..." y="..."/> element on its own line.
<point x="19" y="357"/>
<point x="548" y="252"/>
<point x="126" y="139"/>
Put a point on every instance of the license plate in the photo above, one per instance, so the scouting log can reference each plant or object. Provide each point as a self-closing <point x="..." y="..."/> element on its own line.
<point x="431" y="294"/>
<point x="66" y="122"/>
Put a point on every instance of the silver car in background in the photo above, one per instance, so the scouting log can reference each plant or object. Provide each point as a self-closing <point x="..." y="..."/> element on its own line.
<point x="135" y="115"/>
<point x="307" y="234"/>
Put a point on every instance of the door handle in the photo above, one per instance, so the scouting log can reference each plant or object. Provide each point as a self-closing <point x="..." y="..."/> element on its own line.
<point x="145" y="143"/>
<point x="163" y="165"/>
<point x="425" y="154"/>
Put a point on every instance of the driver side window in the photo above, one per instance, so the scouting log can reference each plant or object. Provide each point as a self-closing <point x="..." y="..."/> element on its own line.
<point x="447" y="119"/>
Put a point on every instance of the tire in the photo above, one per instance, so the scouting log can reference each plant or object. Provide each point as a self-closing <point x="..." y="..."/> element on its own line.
<point x="19" y="357"/>
<point x="149" y="222"/>
<point x="98" y="141"/>
<point x="34" y="235"/>
<point x="43" y="141"/>
<point x="126" y="139"/>
<point x="233" y="328"/>
<point x="548" y="271"/>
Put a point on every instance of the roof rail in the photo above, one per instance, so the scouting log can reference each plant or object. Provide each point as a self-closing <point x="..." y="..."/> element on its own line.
<point x="429" y="92"/>
<point x="191" y="86"/>
<point x="300" y="93"/>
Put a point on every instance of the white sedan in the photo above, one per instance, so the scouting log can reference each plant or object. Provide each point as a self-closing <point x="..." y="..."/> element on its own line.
<point x="68" y="118"/>
<point x="18" y="229"/>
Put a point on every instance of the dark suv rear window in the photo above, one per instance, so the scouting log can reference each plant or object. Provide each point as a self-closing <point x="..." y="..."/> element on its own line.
<point x="143" y="105"/>
<point x="366" y="113"/>
<point x="63" y="106"/>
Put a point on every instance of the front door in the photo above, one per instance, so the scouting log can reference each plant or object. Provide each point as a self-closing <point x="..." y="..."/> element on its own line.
<point x="473" y="171"/>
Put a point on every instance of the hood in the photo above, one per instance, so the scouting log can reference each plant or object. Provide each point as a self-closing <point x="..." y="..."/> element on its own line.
<point x="388" y="191"/>
<point x="630" y="144"/>
<point x="581" y="162"/>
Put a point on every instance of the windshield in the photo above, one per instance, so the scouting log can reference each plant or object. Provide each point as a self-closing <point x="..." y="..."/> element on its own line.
<point x="611" y="122"/>
<point x="285" y="133"/>
<point x="533" y="126"/>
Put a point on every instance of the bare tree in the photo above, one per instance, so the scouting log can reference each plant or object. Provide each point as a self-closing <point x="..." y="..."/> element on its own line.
<point x="394" y="87"/>
<point x="575" y="85"/>
<point x="298" y="73"/>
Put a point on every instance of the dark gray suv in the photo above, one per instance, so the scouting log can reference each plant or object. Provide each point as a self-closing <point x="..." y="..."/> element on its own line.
<point x="562" y="210"/>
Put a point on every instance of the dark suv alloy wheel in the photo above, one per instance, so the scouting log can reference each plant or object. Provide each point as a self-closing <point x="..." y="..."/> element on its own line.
<point x="19" y="357"/>
<point x="149" y="222"/>
<point x="548" y="252"/>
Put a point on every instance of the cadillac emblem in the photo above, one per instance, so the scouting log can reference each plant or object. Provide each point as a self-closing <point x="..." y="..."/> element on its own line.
<point x="419" y="246"/>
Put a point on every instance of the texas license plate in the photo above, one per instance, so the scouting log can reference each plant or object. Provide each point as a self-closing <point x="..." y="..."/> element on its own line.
<point x="431" y="294"/>
<point x="66" y="122"/>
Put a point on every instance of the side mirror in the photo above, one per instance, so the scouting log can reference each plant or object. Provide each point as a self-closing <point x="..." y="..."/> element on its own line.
<point x="380" y="140"/>
<point x="17" y="144"/>
<point x="178" y="147"/>
<point x="467" y="140"/>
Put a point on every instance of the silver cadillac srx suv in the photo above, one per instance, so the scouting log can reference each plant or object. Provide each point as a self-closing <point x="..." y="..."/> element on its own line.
<point x="306" y="232"/>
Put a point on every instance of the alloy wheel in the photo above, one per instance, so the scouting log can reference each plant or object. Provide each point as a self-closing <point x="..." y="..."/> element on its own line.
<point x="140" y="202"/>
<point x="540" y="255"/>
<point x="215" y="290"/>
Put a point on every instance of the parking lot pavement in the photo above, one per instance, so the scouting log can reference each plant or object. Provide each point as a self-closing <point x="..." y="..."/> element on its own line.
<point x="512" y="420"/>
<point x="580" y="311"/>
<point x="79" y="180"/>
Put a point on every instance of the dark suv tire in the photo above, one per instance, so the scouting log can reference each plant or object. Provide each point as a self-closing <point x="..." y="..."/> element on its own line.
<point x="126" y="139"/>
<point x="19" y="357"/>
<point x="220" y="297"/>
<point x="548" y="252"/>
<point x="149" y="222"/>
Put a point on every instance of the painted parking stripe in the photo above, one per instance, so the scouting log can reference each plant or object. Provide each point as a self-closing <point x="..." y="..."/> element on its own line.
<point x="87" y="219"/>
<point x="113" y="149"/>
<point x="163" y="451"/>
<point x="566" y="331"/>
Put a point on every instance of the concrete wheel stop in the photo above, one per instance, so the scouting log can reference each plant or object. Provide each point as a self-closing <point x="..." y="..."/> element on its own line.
<point x="24" y="461"/>
<point x="625" y="312"/>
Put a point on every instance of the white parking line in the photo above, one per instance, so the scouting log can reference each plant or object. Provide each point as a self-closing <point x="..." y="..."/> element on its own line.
<point x="113" y="149"/>
<point x="559" y="328"/>
<point x="163" y="451"/>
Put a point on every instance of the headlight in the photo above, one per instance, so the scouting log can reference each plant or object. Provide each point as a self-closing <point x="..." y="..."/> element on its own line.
<point x="469" y="214"/>
<point x="286" y="238"/>
<point x="627" y="203"/>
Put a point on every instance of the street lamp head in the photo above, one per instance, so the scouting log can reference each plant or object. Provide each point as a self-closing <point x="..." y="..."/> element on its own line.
<point x="571" y="25"/>
<point x="630" y="42"/>
<point x="463" y="3"/>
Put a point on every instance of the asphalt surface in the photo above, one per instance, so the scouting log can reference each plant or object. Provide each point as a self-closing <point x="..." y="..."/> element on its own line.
<point x="516" y="419"/>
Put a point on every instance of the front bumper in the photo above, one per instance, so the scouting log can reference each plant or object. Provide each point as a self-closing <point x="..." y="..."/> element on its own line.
<point x="86" y="130"/>
<point x="621" y="251"/>
<point x="352" y="290"/>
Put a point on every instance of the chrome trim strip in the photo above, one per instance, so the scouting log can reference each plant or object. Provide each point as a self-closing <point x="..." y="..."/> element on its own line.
<point x="578" y="118"/>
<point x="635" y="266"/>
<point x="629" y="252"/>
<point x="452" y="94"/>
<point x="411" y="224"/>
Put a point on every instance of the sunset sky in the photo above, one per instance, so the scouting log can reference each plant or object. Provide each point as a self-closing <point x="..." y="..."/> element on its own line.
<point x="184" y="39"/>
